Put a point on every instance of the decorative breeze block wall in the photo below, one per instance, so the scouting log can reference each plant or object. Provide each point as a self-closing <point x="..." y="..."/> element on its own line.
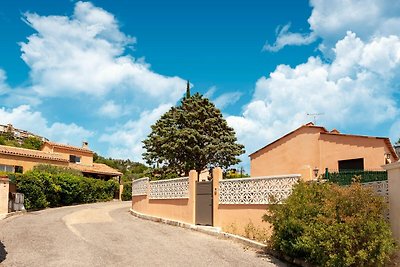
<point x="381" y="188"/>
<point x="260" y="190"/>
<point x="170" y="189"/>
<point x="140" y="186"/>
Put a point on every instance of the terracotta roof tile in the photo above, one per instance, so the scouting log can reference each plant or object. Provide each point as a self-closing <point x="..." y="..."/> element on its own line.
<point x="30" y="153"/>
<point x="333" y="132"/>
<point x="68" y="147"/>
<point x="96" y="168"/>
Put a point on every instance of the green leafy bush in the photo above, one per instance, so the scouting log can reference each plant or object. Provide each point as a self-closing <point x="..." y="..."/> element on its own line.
<point x="53" y="187"/>
<point x="329" y="225"/>
<point x="127" y="192"/>
<point x="56" y="169"/>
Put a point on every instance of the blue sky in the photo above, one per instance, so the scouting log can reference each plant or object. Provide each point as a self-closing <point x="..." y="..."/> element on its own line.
<point x="104" y="71"/>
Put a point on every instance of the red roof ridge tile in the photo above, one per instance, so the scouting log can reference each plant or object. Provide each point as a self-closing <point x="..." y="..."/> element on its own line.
<point x="9" y="150"/>
<point x="54" y="144"/>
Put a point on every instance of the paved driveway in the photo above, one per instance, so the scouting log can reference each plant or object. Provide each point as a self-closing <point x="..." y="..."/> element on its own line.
<point x="105" y="234"/>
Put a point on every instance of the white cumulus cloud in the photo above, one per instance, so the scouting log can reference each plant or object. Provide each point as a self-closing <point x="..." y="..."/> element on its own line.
<point x="354" y="90"/>
<point x="23" y="117"/>
<point x="126" y="141"/>
<point x="330" y="20"/>
<point x="227" y="99"/>
<point x="87" y="58"/>
<point x="86" y="54"/>
<point x="110" y="109"/>
<point x="285" y="38"/>
<point x="4" y="88"/>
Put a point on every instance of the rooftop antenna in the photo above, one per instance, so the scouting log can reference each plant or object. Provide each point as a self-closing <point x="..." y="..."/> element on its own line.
<point x="315" y="115"/>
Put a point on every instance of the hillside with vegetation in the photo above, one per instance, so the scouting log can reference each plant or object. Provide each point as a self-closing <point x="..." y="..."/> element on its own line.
<point x="31" y="142"/>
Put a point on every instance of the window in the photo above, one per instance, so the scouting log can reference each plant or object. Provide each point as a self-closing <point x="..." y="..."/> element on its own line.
<point x="6" y="168"/>
<point x="74" y="159"/>
<point x="19" y="169"/>
<point x="351" y="164"/>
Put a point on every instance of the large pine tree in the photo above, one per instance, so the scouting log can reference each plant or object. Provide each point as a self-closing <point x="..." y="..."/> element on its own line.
<point x="192" y="136"/>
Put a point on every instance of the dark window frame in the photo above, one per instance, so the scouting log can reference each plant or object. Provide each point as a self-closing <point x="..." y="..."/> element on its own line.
<point x="74" y="159"/>
<point x="351" y="164"/>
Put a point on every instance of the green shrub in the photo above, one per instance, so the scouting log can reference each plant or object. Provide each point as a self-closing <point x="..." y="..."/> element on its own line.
<point x="127" y="191"/>
<point x="329" y="225"/>
<point x="56" y="169"/>
<point x="52" y="187"/>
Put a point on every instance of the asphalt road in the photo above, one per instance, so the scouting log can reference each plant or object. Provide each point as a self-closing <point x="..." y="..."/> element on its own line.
<point x="105" y="234"/>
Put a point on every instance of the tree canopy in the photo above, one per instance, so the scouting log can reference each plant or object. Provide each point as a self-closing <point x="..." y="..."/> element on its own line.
<point x="193" y="135"/>
<point x="130" y="169"/>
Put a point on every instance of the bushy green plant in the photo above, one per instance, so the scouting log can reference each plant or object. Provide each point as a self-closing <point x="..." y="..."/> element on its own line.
<point x="53" y="186"/>
<point x="127" y="192"/>
<point x="56" y="169"/>
<point x="329" y="225"/>
<point x="32" y="188"/>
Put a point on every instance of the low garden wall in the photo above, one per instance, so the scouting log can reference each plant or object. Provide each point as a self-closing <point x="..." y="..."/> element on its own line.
<point x="238" y="204"/>
<point x="172" y="199"/>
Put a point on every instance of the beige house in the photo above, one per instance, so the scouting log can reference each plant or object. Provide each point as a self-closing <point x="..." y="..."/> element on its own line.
<point x="15" y="159"/>
<point x="310" y="149"/>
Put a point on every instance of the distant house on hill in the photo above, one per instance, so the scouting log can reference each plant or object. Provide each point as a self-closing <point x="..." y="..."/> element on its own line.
<point x="19" y="134"/>
<point x="15" y="159"/>
<point x="310" y="149"/>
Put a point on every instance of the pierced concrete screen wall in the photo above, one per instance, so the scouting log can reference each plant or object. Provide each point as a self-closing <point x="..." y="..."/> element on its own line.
<point x="140" y="186"/>
<point x="381" y="188"/>
<point x="170" y="189"/>
<point x="260" y="190"/>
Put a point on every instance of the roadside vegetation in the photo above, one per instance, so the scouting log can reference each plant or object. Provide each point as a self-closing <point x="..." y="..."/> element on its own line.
<point x="130" y="170"/>
<point x="329" y="225"/>
<point x="51" y="186"/>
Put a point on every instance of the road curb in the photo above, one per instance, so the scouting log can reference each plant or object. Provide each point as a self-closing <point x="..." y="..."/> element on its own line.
<point x="214" y="231"/>
<point x="11" y="214"/>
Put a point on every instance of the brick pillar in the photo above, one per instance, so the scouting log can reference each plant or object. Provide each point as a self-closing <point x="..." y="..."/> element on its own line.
<point x="217" y="176"/>
<point x="4" y="190"/>
<point x="192" y="194"/>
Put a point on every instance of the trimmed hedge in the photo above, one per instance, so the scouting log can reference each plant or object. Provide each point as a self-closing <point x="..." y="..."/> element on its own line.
<point x="329" y="225"/>
<point x="346" y="177"/>
<point x="54" y="188"/>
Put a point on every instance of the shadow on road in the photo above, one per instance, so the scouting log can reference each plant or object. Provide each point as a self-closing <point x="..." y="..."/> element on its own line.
<point x="3" y="252"/>
<point x="272" y="259"/>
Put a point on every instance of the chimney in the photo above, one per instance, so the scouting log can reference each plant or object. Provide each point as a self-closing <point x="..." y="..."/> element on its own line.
<point x="85" y="145"/>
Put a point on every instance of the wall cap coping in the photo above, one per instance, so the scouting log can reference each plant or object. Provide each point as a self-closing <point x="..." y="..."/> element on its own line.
<point x="391" y="166"/>
<point x="167" y="180"/>
<point x="262" y="177"/>
<point x="139" y="180"/>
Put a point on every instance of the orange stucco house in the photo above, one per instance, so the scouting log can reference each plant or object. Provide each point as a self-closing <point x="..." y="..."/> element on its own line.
<point x="310" y="149"/>
<point x="15" y="159"/>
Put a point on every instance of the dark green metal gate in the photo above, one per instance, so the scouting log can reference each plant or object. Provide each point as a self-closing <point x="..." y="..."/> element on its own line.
<point x="204" y="203"/>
